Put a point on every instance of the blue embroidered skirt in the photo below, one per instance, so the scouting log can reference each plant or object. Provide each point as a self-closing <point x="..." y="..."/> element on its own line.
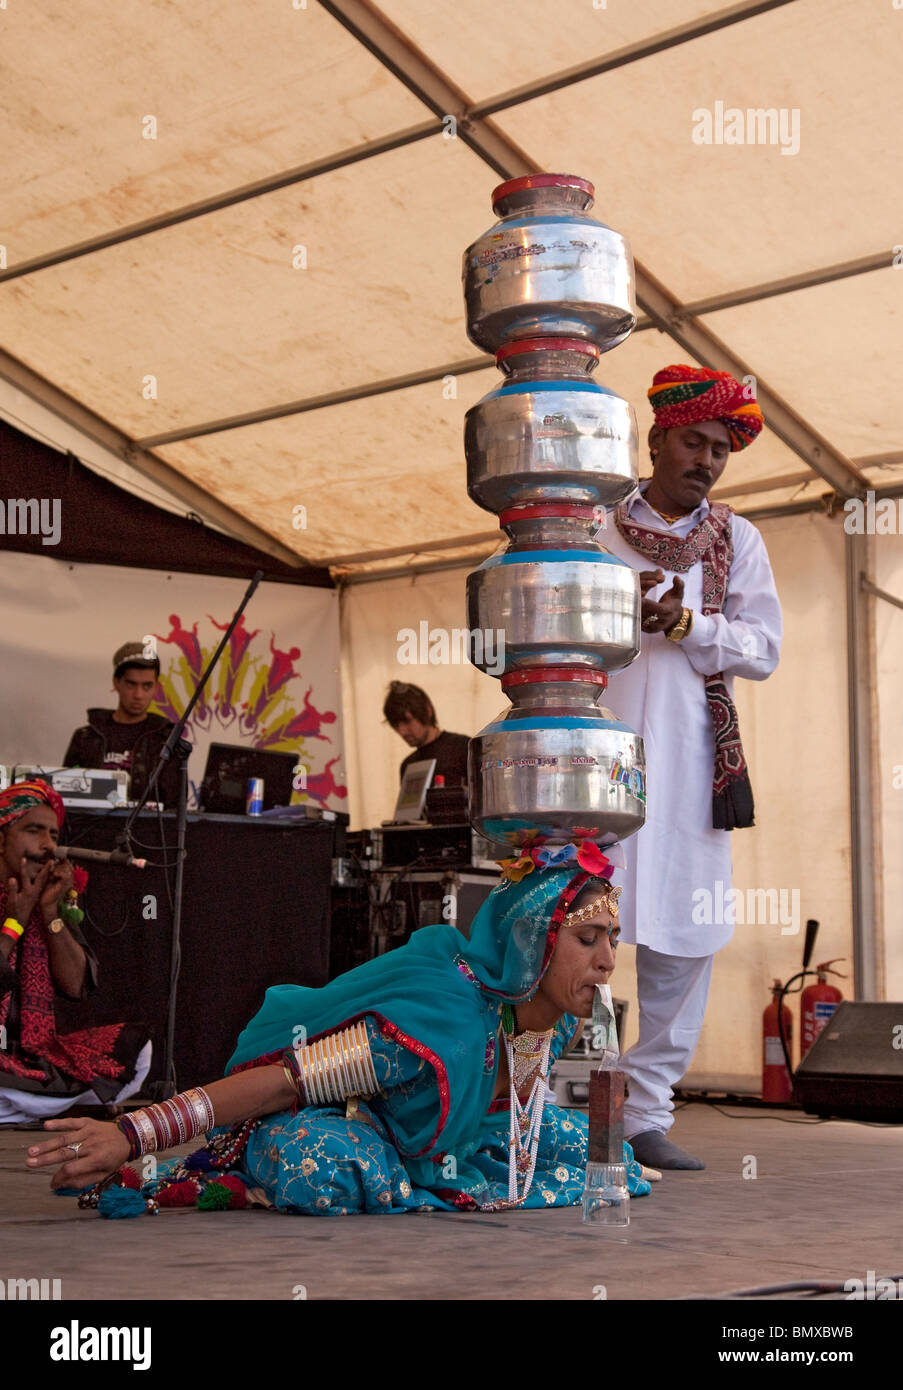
<point x="321" y="1163"/>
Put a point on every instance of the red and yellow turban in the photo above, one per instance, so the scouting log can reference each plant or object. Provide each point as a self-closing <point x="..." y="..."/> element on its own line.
<point x="21" y="796"/>
<point x="683" y="395"/>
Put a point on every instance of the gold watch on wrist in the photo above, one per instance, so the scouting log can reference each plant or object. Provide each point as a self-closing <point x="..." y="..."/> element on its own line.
<point x="683" y="625"/>
<point x="56" y="926"/>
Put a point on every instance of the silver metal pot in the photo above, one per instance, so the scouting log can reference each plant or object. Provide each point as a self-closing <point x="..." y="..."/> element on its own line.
<point x="558" y="597"/>
<point x="556" y="765"/>
<point x="549" y="432"/>
<point x="546" y="269"/>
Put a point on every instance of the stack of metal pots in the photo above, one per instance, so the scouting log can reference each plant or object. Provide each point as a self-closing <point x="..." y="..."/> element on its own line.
<point x="550" y="452"/>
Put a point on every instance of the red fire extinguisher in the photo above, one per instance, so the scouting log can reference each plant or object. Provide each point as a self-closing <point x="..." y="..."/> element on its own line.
<point x="817" y="1004"/>
<point x="776" y="1083"/>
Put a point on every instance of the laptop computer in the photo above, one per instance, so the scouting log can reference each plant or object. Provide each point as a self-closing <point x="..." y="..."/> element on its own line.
<point x="412" y="793"/>
<point x="229" y="769"/>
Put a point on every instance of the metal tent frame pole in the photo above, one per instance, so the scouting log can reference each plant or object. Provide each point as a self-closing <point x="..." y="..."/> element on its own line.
<point x="865" y="804"/>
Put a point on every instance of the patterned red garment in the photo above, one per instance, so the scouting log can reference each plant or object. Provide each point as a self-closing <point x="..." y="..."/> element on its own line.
<point x="712" y="543"/>
<point x="84" y="1055"/>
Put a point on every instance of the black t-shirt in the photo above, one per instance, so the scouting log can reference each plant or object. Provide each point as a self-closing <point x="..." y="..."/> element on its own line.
<point x="450" y="752"/>
<point x="121" y="739"/>
<point x="133" y="748"/>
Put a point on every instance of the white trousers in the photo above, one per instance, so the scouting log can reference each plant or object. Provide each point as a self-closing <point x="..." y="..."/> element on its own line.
<point x="16" y="1106"/>
<point x="672" y="993"/>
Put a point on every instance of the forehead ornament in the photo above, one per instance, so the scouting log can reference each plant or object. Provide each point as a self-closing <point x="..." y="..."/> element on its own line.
<point x="608" y="900"/>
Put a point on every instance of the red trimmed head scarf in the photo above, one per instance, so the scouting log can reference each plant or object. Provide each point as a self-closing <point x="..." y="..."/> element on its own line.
<point x="21" y="796"/>
<point x="683" y="395"/>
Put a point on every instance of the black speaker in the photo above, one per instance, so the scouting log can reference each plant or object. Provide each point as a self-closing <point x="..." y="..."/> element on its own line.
<point x="854" y="1069"/>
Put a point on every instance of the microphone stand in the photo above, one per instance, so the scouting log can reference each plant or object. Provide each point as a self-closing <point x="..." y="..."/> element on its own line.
<point x="181" y="748"/>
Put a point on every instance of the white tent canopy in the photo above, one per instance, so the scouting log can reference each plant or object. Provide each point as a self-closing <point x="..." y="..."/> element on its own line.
<point x="346" y="277"/>
<point x="230" y="270"/>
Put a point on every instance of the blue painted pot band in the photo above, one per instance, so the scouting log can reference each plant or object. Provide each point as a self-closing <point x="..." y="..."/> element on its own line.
<point x="574" y="218"/>
<point x="534" y="557"/>
<point x="511" y="726"/>
<point x="522" y="388"/>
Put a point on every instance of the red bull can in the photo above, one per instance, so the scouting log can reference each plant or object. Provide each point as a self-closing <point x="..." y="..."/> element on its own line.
<point x="254" y="798"/>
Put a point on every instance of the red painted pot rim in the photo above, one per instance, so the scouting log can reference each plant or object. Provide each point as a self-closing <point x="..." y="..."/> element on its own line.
<point x="584" y="510"/>
<point x="536" y="675"/>
<point x="546" y="345"/>
<point x="504" y="190"/>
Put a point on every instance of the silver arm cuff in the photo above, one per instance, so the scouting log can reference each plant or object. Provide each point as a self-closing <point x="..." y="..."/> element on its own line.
<point x="337" y="1066"/>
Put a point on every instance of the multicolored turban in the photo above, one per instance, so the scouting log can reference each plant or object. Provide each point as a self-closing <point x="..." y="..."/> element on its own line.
<point x="683" y="395"/>
<point x="21" y="796"/>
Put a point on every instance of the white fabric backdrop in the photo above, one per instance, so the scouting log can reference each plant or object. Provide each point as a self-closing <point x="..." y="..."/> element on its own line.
<point x="794" y="729"/>
<point x="62" y="623"/>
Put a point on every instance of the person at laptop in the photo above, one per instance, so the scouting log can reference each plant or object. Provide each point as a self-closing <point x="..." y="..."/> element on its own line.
<point x="129" y="737"/>
<point x="410" y="712"/>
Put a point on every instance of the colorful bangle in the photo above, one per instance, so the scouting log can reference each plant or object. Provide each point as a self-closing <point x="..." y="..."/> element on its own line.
<point x="12" y="928"/>
<point x="333" y="1068"/>
<point x="293" y="1075"/>
<point x="168" y="1124"/>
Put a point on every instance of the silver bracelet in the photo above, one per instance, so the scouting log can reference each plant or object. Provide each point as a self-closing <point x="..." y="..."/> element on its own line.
<point x="337" y="1066"/>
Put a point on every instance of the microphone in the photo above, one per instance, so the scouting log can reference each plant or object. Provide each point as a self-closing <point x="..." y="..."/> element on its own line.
<point x="97" y="856"/>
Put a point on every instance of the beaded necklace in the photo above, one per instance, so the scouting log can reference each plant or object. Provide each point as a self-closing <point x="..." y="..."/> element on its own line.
<point x="527" y="1052"/>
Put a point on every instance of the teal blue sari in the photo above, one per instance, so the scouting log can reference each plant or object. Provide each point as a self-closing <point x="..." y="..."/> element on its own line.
<point x="432" y="1009"/>
<point x="432" y="1137"/>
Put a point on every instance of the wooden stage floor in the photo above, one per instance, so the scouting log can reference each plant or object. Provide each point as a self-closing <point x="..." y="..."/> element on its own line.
<point x="823" y="1206"/>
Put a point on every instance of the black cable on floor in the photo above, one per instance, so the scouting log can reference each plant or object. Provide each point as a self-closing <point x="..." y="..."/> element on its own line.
<point x="813" y="1288"/>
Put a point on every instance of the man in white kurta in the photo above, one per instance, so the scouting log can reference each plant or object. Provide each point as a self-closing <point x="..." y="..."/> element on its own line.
<point x="662" y="695"/>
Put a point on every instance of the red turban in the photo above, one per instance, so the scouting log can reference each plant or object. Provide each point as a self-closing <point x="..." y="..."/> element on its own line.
<point x="683" y="395"/>
<point x="21" y="796"/>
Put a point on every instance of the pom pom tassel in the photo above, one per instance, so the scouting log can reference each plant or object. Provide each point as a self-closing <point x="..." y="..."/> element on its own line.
<point x="226" y="1194"/>
<point x="118" y="1203"/>
<point x="237" y="1188"/>
<point x="215" y="1197"/>
<point x="178" y="1194"/>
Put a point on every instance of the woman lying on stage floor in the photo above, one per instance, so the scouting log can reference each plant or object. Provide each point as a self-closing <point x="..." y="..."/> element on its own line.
<point x="416" y="1080"/>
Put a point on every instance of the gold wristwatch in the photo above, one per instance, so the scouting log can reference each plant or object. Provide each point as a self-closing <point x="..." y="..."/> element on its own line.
<point x="682" y="626"/>
<point x="56" y="926"/>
